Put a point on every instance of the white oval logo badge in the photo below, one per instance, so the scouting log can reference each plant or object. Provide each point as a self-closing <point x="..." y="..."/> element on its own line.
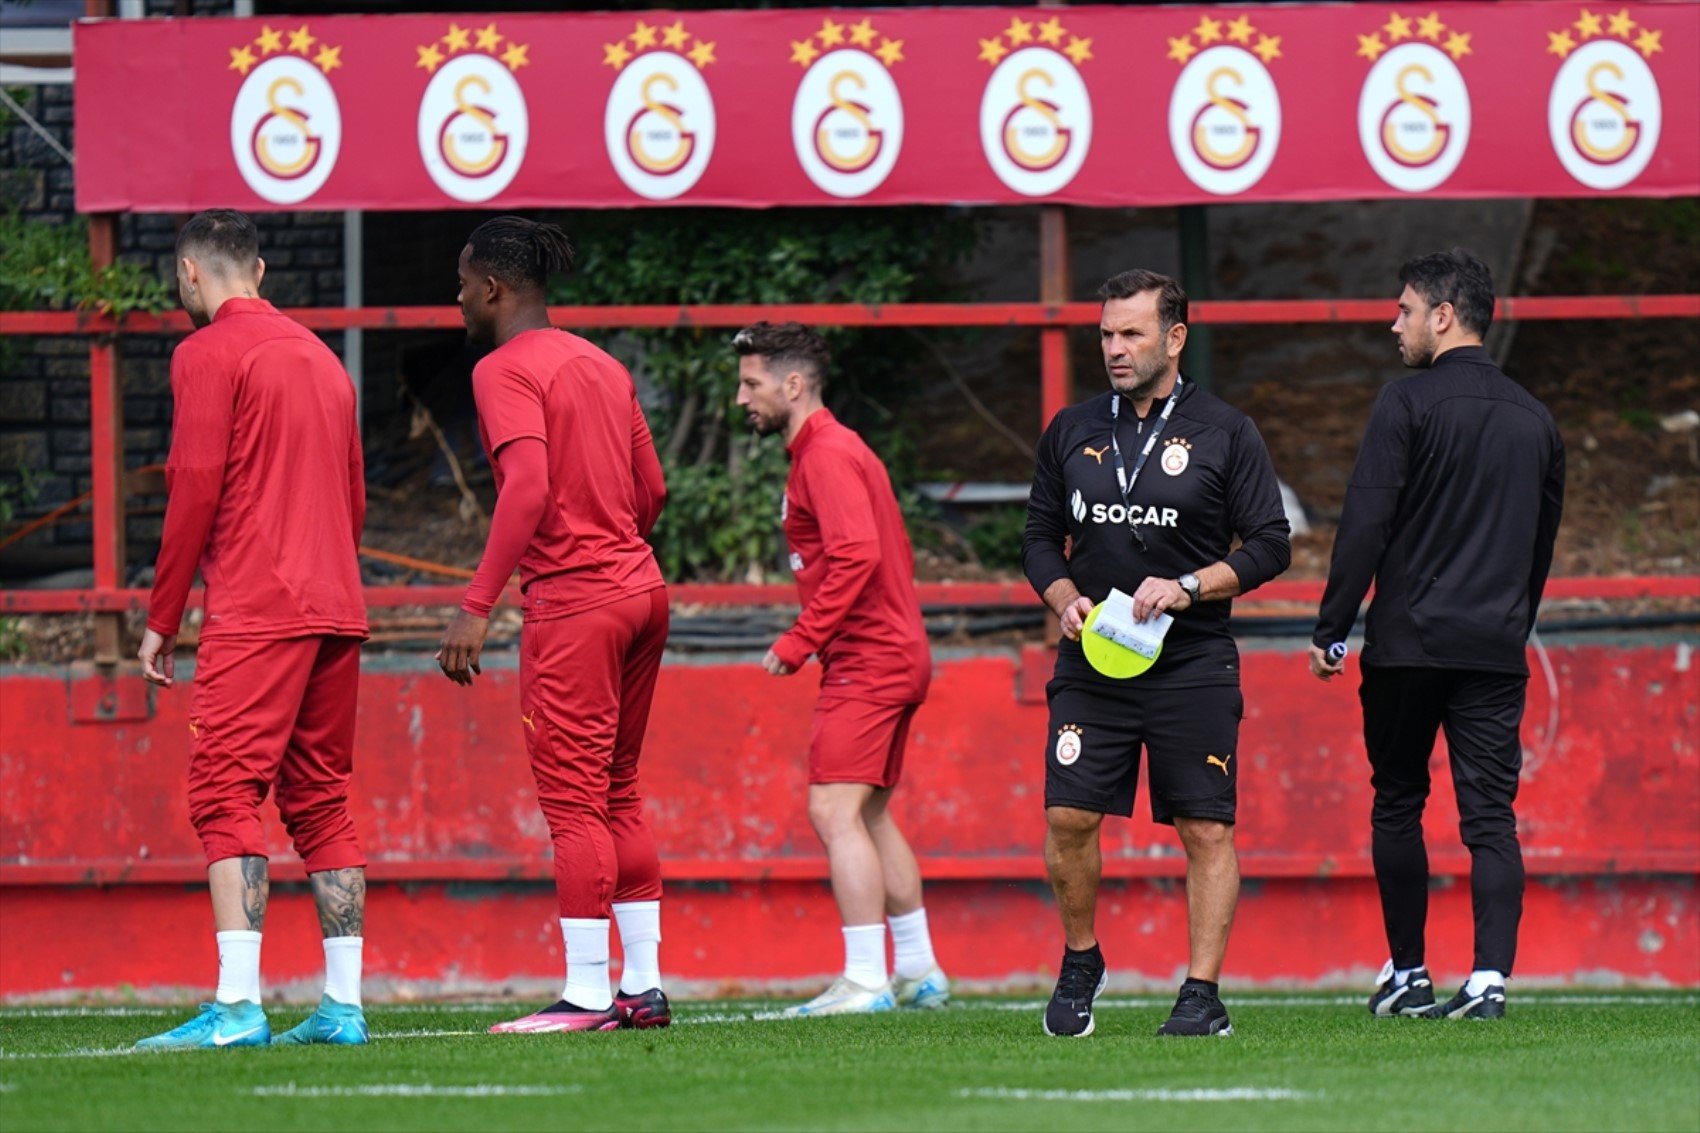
<point x="1604" y="114"/>
<point x="1225" y="120"/>
<point x="1414" y="117"/>
<point x="659" y="125"/>
<point x="1177" y="454"/>
<point x="1068" y="745"/>
<point x="847" y="123"/>
<point x="1036" y="121"/>
<point x="286" y="129"/>
<point x="473" y="127"/>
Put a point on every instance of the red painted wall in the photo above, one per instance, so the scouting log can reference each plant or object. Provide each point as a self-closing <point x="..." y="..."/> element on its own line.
<point x="97" y="856"/>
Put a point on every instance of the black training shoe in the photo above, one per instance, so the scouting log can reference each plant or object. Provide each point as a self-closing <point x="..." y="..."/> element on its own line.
<point x="1490" y="1004"/>
<point x="644" y="1010"/>
<point x="1413" y="998"/>
<point x="1197" y="1012"/>
<point x="1081" y="981"/>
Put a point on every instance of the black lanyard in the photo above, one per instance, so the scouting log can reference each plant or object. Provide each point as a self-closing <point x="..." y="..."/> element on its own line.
<point x="1124" y="479"/>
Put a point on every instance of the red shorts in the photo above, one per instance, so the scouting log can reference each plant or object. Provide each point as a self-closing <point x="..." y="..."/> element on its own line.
<point x="858" y="741"/>
<point x="269" y="715"/>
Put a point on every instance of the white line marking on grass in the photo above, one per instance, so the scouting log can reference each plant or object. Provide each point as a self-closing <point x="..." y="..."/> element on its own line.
<point x="79" y="1052"/>
<point x="1229" y="1094"/>
<point x="387" y="1035"/>
<point x="406" y="1090"/>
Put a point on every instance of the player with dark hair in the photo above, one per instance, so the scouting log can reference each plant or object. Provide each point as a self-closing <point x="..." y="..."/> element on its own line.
<point x="579" y="488"/>
<point x="267" y="498"/>
<point x="1165" y="531"/>
<point x="1452" y="511"/>
<point x="855" y="572"/>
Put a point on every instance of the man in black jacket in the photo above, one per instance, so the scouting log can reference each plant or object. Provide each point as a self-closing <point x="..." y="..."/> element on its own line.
<point x="1101" y="516"/>
<point x="1452" y="511"/>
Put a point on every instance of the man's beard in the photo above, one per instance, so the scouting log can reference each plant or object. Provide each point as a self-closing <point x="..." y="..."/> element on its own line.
<point x="1145" y="382"/>
<point x="1419" y="355"/>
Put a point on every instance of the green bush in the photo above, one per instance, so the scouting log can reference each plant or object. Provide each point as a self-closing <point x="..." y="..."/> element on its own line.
<point x="47" y="267"/>
<point x="724" y="484"/>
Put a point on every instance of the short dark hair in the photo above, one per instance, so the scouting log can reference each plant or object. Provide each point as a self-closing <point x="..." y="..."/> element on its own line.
<point x="521" y="253"/>
<point x="222" y="235"/>
<point x="1454" y="277"/>
<point x="1171" y="299"/>
<point x="786" y="346"/>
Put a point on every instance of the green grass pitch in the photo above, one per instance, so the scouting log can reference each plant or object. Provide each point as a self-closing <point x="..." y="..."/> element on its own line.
<point x="1582" y="1060"/>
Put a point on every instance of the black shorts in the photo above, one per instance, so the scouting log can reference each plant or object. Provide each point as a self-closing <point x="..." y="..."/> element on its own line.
<point x="1093" y="745"/>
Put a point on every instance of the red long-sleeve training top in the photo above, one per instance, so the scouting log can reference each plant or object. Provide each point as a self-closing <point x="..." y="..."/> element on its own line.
<point x="855" y="571"/>
<point x="600" y="479"/>
<point x="266" y="481"/>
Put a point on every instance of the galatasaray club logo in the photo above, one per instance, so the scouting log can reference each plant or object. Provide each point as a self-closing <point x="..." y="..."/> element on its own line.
<point x="1604" y="111"/>
<point x="1177" y="454"/>
<point x="659" y="122"/>
<point x="847" y="118"/>
<point x="285" y="126"/>
<point x="1035" y="114"/>
<point x="1225" y="113"/>
<point x="473" y="123"/>
<point x="1414" y="108"/>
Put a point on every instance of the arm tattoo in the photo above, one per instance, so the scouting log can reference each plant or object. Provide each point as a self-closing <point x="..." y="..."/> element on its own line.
<point x="256" y="887"/>
<point x="341" y="897"/>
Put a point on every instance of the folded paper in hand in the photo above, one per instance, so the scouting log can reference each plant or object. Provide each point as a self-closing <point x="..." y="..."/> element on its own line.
<point x="1115" y="622"/>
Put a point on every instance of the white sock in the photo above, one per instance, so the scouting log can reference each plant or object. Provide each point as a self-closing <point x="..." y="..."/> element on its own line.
<point x="342" y="969"/>
<point x="640" y="940"/>
<point x="864" y="954"/>
<point x="1403" y="975"/>
<point x="238" y="967"/>
<point x="911" y="945"/>
<point x="586" y="939"/>
<point x="1481" y="980"/>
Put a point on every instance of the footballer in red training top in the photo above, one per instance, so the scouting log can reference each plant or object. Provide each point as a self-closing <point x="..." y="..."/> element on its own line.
<point x="267" y="496"/>
<point x="856" y="576"/>
<point x="578" y="488"/>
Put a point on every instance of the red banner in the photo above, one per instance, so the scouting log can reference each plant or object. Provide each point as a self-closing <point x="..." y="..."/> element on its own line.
<point x="1090" y="105"/>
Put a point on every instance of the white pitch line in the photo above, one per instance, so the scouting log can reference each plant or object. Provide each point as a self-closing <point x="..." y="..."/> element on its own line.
<point x="407" y="1090"/>
<point x="388" y="1035"/>
<point x="1228" y="1094"/>
<point x="78" y="1052"/>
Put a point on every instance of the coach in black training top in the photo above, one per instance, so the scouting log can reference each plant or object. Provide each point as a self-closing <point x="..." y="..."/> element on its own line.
<point x="1452" y="511"/>
<point x="1168" y="540"/>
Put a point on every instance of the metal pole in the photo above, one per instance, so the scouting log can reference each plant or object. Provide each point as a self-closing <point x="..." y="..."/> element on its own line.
<point x="106" y="445"/>
<point x="1055" y="380"/>
<point x="1195" y="277"/>
<point x="353" y="289"/>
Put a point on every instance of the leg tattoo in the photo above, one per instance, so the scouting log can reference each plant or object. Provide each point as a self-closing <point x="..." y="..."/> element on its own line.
<point x="256" y="888"/>
<point x="341" y="897"/>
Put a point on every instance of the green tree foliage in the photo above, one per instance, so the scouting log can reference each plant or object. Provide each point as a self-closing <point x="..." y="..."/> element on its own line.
<point x="47" y="267"/>
<point x="722" y="517"/>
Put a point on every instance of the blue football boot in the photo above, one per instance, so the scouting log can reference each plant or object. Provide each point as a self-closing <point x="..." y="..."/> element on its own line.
<point x="337" y="1023"/>
<point x="219" y="1024"/>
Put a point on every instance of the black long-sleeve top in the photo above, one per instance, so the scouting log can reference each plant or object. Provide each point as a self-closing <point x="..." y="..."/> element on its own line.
<point x="1208" y="480"/>
<point x="1452" y="510"/>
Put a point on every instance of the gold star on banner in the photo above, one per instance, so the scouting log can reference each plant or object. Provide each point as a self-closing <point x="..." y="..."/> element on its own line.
<point x="1020" y="31"/>
<point x="429" y="58"/>
<point x="1180" y="50"/>
<point x="643" y="35"/>
<point x="1268" y="48"/>
<point x="831" y="34"/>
<point x="328" y="59"/>
<point x="300" y="41"/>
<point x="1430" y="27"/>
<point x="1079" y="50"/>
<point x="269" y="41"/>
<point x="1208" y="30"/>
<point x="241" y="59"/>
<point x="457" y="39"/>
<point x="1458" y="45"/>
<point x="891" y="52"/>
<point x="615" y="55"/>
<point x="804" y="52"/>
<point x="1051" y="32"/>
<point x="863" y="34"/>
<point x="1560" y="44"/>
<point x="992" y="50"/>
<point x="1648" y="42"/>
<point x="1370" y="47"/>
<point x="674" y="35"/>
<point x="702" y="54"/>
<point x="514" y="56"/>
<point x="1397" y="27"/>
<point x="1240" y="30"/>
<point x="1587" y="25"/>
<point x="1621" y="24"/>
<point x="488" y="39"/>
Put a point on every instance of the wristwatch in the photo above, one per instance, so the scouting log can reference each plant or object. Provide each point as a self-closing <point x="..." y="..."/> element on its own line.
<point x="1189" y="583"/>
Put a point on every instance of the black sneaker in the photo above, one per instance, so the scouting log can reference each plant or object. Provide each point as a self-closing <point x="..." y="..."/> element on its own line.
<point x="1413" y="998"/>
<point x="1197" y="1012"/>
<point x="1081" y="981"/>
<point x="1490" y="1004"/>
<point x="644" y="1010"/>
